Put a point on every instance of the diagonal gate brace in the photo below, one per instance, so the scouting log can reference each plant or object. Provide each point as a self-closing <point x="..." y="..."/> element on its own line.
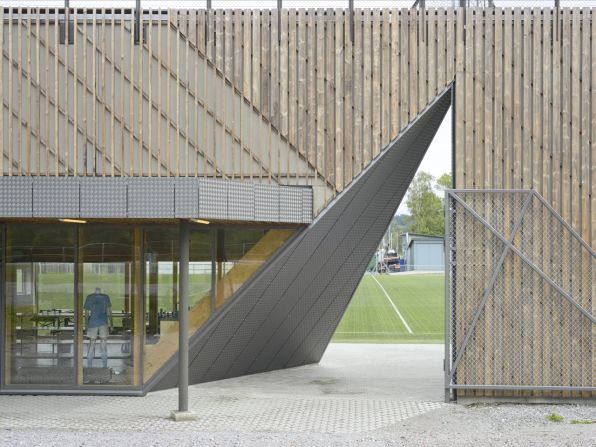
<point x="491" y="282"/>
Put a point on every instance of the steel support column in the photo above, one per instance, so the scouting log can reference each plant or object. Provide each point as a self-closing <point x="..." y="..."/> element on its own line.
<point x="184" y="254"/>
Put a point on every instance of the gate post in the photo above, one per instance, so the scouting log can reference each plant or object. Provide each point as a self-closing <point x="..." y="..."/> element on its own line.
<point x="447" y="250"/>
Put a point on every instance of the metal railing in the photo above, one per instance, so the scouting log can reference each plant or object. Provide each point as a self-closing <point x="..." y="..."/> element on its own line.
<point x="520" y="284"/>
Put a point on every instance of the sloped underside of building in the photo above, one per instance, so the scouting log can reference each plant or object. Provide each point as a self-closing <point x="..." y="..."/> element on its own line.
<point x="286" y="316"/>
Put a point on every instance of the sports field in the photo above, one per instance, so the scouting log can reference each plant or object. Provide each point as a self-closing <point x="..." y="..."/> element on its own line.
<point x="399" y="308"/>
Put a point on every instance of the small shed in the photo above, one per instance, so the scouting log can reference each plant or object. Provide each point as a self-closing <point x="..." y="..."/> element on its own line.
<point x="423" y="252"/>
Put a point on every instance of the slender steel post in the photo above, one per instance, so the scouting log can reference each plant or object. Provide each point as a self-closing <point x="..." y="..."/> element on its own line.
<point x="67" y="34"/>
<point x="184" y="240"/>
<point x="183" y="312"/>
<point x="137" y="22"/>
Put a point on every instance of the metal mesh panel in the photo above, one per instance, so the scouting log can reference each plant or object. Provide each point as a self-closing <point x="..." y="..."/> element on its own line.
<point x="520" y="295"/>
<point x="501" y="210"/>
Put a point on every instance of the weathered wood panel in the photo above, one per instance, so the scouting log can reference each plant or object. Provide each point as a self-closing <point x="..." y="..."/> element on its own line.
<point x="377" y="80"/>
<point x="293" y="97"/>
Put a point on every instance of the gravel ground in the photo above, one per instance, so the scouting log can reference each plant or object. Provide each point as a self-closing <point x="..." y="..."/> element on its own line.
<point x="505" y="424"/>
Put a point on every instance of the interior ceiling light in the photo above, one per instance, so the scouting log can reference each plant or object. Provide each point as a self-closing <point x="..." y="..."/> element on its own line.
<point x="77" y="221"/>
<point x="201" y="221"/>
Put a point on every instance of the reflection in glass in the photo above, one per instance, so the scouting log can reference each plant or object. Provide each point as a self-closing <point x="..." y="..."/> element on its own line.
<point x="74" y="314"/>
<point x="109" y="299"/>
<point x="161" y="291"/>
<point x="161" y="297"/>
<point x="40" y="305"/>
<point x="199" y="279"/>
<point x="240" y="252"/>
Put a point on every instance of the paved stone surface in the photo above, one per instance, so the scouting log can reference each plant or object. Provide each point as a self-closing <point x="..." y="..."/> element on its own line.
<point x="215" y="413"/>
<point x="360" y="395"/>
<point x="343" y="394"/>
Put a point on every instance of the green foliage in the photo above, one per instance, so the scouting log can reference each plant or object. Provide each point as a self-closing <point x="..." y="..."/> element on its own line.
<point x="554" y="417"/>
<point x="425" y="206"/>
<point x="582" y="421"/>
<point x="444" y="182"/>
<point x="399" y="225"/>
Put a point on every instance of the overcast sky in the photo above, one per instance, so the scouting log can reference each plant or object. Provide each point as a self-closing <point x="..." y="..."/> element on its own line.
<point x="437" y="160"/>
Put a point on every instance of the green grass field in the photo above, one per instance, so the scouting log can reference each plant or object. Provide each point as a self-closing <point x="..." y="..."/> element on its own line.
<point x="370" y="317"/>
<point x="55" y="290"/>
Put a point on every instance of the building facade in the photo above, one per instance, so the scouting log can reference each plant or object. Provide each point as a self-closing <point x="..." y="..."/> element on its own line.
<point x="288" y="139"/>
<point x="422" y="252"/>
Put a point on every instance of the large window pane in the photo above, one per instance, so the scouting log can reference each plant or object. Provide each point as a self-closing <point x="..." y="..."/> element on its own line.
<point x="221" y="261"/>
<point x="161" y="297"/>
<point x="161" y="291"/>
<point x="109" y="303"/>
<point x="240" y="252"/>
<point x="40" y="310"/>
<point x="199" y="279"/>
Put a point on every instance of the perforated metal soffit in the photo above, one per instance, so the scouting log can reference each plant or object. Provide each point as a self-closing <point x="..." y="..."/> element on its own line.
<point x="153" y="198"/>
<point x="286" y="315"/>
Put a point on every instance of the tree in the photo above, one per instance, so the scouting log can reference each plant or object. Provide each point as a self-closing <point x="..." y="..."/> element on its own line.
<point x="426" y="208"/>
<point x="444" y="182"/>
<point x="399" y="225"/>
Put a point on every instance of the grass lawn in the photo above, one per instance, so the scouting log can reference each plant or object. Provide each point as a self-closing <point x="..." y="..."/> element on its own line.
<point x="56" y="290"/>
<point x="370" y="317"/>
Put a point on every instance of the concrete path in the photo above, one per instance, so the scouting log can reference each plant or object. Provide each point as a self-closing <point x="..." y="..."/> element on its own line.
<point x="356" y="388"/>
<point x="379" y="371"/>
<point x="360" y="394"/>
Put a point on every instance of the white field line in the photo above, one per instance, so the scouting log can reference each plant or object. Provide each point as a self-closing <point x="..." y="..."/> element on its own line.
<point x="385" y="332"/>
<point x="393" y="305"/>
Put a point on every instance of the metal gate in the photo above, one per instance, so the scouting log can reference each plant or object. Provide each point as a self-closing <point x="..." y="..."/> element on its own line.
<point x="520" y="285"/>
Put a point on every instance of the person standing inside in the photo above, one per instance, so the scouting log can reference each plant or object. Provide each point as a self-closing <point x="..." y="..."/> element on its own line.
<point x="98" y="316"/>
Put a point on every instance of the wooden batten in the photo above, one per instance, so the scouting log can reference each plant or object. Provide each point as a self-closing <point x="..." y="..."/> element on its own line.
<point x="294" y="97"/>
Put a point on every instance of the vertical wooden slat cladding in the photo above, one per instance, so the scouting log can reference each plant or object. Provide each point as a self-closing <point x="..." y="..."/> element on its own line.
<point x="329" y="98"/>
<point x="366" y="89"/>
<point x="348" y="108"/>
<point x="357" y="93"/>
<point x="377" y="55"/>
<point x="294" y="96"/>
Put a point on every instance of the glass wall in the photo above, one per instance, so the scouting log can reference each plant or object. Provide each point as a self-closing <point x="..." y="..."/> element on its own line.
<point x="240" y="252"/>
<point x="161" y="291"/>
<point x="109" y="285"/>
<point x="40" y="311"/>
<point x="161" y="297"/>
<point x="200" y="296"/>
<point x="96" y="305"/>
